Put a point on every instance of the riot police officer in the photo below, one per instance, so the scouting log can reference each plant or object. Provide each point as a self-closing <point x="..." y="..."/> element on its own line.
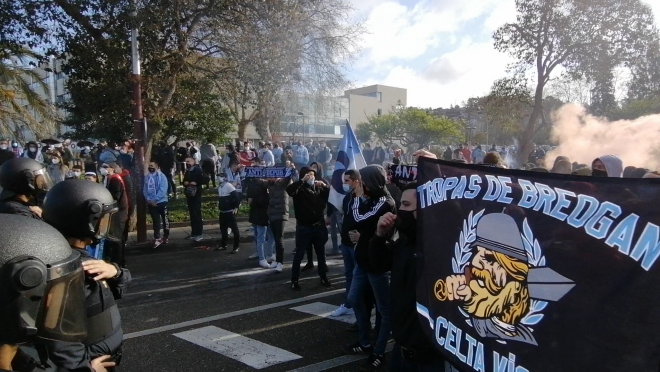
<point x="82" y="211"/>
<point x="24" y="181"/>
<point x="41" y="290"/>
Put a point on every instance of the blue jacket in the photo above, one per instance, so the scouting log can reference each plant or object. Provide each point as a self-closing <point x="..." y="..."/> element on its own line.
<point x="155" y="187"/>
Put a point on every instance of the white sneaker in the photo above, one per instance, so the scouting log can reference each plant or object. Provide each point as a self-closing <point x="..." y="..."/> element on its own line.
<point x="264" y="264"/>
<point x="253" y="256"/>
<point x="271" y="258"/>
<point x="158" y="243"/>
<point x="342" y="310"/>
<point x="198" y="238"/>
<point x="277" y="266"/>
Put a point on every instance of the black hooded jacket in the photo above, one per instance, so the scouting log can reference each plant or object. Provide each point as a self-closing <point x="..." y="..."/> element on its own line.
<point x="363" y="214"/>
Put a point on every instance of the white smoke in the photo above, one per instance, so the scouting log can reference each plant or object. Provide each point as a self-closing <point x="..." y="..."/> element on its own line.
<point x="583" y="137"/>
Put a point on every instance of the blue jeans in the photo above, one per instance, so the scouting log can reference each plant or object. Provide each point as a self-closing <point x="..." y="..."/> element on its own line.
<point x="306" y="237"/>
<point x="269" y="246"/>
<point x="349" y="265"/>
<point x="260" y="240"/>
<point x="400" y="364"/>
<point x="380" y="283"/>
<point x="335" y="227"/>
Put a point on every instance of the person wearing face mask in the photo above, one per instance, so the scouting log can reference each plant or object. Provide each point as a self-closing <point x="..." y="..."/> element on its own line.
<point x="110" y="154"/>
<point x="155" y="194"/>
<point x="125" y="158"/>
<point x="300" y="156"/>
<point x="74" y="173"/>
<point x="193" y="181"/>
<point x="228" y="202"/>
<point x="56" y="168"/>
<point x="309" y="200"/>
<point x="607" y="166"/>
<point x="33" y="152"/>
<point x="5" y="152"/>
<point x="370" y="272"/>
<point x="115" y="184"/>
<point x="413" y="351"/>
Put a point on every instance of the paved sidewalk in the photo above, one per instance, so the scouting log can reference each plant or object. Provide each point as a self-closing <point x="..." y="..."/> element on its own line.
<point x="211" y="237"/>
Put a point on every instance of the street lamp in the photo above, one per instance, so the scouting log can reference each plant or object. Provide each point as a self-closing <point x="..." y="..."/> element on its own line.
<point x="302" y="114"/>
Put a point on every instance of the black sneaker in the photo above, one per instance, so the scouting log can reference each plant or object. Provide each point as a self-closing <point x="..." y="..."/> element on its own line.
<point x="352" y="328"/>
<point x="295" y="286"/>
<point x="325" y="282"/>
<point x="374" y="363"/>
<point x="221" y="249"/>
<point x="307" y="267"/>
<point x="356" y="349"/>
<point x="235" y="250"/>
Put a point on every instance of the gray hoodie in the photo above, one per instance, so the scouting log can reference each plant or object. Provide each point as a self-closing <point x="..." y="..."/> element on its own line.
<point x="613" y="164"/>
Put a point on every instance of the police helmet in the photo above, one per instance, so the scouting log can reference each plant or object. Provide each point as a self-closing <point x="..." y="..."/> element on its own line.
<point x="23" y="176"/>
<point x="41" y="283"/>
<point x="81" y="209"/>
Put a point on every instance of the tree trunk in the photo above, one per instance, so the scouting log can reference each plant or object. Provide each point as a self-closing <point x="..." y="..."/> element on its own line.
<point x="527" y="137"/>
<point x="242" y="128"/>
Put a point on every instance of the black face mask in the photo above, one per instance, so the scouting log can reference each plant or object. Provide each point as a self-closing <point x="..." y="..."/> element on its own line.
<point x="188" y="166"/>
<point x="598" y="173"/>
<point x="152" y="170"/>
<point x="406" y="224"/>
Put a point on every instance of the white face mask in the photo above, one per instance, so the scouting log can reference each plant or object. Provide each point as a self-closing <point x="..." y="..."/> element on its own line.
<point x="3" y="147"/>
<point x="104" y="172"/>
<point x="221" y="179"/>
<point x="310" y="181"/>
<point x="55" y="161"/>
<point x="76" y="174"/>
<point x="33" y="149"/>
<point x="347" y="188"/>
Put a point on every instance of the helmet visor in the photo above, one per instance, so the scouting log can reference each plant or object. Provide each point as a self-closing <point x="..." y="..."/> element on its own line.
<point x="42" y="180"/>
<point x="108" y="226"/>
<point x="63" y="313"/>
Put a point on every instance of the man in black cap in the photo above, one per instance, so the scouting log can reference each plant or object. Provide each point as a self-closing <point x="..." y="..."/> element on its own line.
<point x="309" y="200"/>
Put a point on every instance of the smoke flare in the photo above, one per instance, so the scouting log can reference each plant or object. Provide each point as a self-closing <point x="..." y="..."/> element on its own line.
<point x="583" y="137"/>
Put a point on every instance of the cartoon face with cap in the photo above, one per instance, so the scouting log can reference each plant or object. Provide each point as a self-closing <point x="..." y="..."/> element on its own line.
<point x="498" y="285"/>
<point x="494" y="283"/>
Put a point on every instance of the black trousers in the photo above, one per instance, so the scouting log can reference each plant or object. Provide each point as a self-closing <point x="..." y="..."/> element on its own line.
<point x="171" y="187"/>
<point x="306" y="237"/>
<point x="160" y="214"/>
<point x="278" y="233"/>
<point x="228" y="221"/>
<point x="208" y="166"/>
<point x="195" y="212"/>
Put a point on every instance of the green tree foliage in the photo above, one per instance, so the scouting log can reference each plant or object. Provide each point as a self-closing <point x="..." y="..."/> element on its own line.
<point x="572" y="34"/>
<point x="410" y="127"/>
<point x="21" y="105"/>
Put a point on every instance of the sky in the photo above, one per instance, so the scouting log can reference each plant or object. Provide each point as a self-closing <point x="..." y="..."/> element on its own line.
<point x="441" y="51"/>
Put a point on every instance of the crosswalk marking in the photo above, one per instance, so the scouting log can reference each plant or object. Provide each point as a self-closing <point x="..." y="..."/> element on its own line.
<point x="254" y="353"/>
<point x="324" y="310"/>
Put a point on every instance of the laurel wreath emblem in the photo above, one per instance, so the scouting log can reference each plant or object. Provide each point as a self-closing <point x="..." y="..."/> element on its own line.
<point x="463" y="253"/>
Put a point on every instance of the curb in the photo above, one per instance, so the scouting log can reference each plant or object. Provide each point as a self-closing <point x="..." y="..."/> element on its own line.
<point x="146" y="248"/>
<point x="205" y="222"/>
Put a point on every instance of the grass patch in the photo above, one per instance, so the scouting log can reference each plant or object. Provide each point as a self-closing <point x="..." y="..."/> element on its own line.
<point x="179" y="208"/>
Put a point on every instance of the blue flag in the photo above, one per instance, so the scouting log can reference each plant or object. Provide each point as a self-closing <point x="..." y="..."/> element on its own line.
<point x="349" y="156"/>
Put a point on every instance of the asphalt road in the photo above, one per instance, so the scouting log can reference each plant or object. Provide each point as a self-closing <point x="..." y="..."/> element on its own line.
<point x="194" y="310"/>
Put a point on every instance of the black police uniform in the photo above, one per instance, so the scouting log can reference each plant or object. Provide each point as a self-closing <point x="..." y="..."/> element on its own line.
<point x="15" y="206"/>
<point x="81" y="209"/>
<point x="22" y="176"/>
<point x="36" y="263"/>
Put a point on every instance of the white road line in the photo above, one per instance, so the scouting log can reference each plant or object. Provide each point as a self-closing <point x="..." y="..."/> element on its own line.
<point x="254" y="353"/>
<point x="336" y="362"/>
<point x="213" y="318"/>
<point x="324" y="310"/>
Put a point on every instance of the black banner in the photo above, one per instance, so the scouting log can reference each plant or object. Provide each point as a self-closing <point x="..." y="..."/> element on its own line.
<point x="401" y="174"/>
<point x="267" y="172"/>
<point x="524" y="271"/>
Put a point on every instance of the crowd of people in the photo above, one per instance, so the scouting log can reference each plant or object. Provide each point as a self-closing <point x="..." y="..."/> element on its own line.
<point x="78" y="203"/>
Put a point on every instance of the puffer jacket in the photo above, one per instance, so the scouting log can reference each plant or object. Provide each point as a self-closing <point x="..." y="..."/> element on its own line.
<point x="259" y="204"/>
<point x="278" y="200"/>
